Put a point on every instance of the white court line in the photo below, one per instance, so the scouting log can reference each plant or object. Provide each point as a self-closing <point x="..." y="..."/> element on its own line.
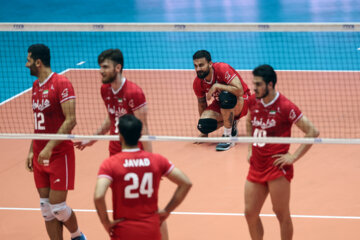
<point x="201" y="213"/>
<point x="25" y="91"/>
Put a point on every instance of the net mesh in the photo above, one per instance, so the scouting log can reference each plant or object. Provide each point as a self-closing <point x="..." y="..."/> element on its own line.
<point x="318" y="68"/>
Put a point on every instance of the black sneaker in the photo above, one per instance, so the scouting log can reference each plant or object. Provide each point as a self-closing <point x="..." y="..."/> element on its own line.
<point x="224" y="146"/>
<point x="234" y="131"/>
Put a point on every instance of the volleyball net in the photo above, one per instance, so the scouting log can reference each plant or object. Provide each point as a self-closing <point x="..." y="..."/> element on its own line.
<point x="318" y="67"/>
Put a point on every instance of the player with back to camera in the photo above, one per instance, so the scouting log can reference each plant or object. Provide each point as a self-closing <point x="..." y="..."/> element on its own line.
<point x="52" y="162"/>
<point x="271" y="114"/>
<point x="134" y="176"/>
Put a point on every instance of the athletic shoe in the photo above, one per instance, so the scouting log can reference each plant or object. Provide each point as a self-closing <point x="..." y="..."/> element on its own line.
<point x="81" y="237"/>
<point x="224" y="146"/>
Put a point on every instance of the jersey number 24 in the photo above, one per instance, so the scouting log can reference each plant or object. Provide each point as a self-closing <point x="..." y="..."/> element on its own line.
<point x="143" y="186"/>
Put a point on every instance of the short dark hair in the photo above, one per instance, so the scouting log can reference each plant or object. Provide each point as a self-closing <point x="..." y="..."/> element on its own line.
<point x="202" y="54"/>
<point x="130" y="128"/>
<point x="114" y="55"/>
<point x="40" y="51"/>
<point x="267" y="73"/>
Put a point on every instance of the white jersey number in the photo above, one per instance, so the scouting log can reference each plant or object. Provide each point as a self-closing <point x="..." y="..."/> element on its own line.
<point x="116" y="124"/>
<point x="259" y="133"/>
<point x="39" y="121"/>
<point x="146" y="186"/>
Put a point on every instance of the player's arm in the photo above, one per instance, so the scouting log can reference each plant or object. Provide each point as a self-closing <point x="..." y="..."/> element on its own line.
<point x="183" y="186"/>
<point x="249" y="131"/>
<point x="202" y="105"/>
<point x="68" y="109"/>
<point x="306" y="126"/>
<point x="234" y="87"/>
<point x="141" y="114"/>
<point x="103" y="129"/>
<point x="101" y="188"/>
<point x="29" y="159"/>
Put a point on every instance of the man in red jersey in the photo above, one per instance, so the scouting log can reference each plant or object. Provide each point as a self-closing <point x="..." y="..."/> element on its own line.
<point x="271" y="114"/>
<point x="230" y="93"/>
<point x="121" y="97"/>
<point x="53" y="162"/>
<point x="134" y="176"/>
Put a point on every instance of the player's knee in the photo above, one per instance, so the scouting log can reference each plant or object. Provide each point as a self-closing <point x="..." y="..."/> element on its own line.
<point x="61" y="211"/>
<point x="46" y="209"/>
<point x="227" y="100"/>
<point x="207" y="125"/>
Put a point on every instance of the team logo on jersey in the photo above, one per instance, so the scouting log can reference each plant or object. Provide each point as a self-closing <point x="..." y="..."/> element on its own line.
<point x="272" y="112"/>
<point x="45" y="92"/>
<point x="65" y="93"/>
<point x="45" y="103"/>
<point x="264" y="125"/>
<point x="292" y="114"/>
<point x="52" y="87"/>
<point x="120" y="100"/>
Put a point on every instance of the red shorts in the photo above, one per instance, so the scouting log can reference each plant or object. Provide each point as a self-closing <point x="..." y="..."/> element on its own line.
<point x="215" y="106"/>
<point x="137" y="230"/>
<point x="59" y="175"/>
<point x="115" y="147"/>
<point x="269" y="173"/>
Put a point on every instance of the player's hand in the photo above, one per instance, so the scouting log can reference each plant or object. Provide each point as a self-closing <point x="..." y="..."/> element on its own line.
<point x="283" y="159"/>
<point x="201" y="135"/>
<point x="29" y="163"/>
<point x="83" y="144"/>
<point x="211" y="91"/>
<point x="109" y="226"/>
<point x="44" y="157"/>
<point x="163" y="215"/>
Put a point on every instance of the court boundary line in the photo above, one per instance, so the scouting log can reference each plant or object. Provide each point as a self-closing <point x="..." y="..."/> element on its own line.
<point x="201" y="213"/>
<point x="25" y="91"/>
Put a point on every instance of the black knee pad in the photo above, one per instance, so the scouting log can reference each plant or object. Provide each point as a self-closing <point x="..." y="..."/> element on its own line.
<point x="207" y="125"/>
<point x="227" y="100"/>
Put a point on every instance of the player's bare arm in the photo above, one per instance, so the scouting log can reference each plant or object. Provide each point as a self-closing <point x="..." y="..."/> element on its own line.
<point x="141" y="114"/>
<point x="306" y="126"/>
<point x="184" y="184"/>
<point x="234" y="87"/>
<point x="68" y="109"/>
<point x="249" y="133"/>
<point x="101" y="188"/>
<point x="29" y="159"/>
<point x="202" y="105"/>
<point x="104" y="128"/>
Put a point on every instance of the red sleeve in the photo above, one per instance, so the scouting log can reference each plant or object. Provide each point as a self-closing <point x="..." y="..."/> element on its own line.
<point x="199" y="92"/>
<point x="103" y="92"/>
<point x="225" y="73"/>
<point x="165" y="165"/>
<point x="293" y="112"/>
<point x="105" y="169"/>
<point x="65" y="90"/>
<point x="136" y="98"/>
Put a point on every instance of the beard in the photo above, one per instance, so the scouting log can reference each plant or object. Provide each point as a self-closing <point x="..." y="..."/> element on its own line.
<point x="264" y="95"/>
<point x="203" y="74"/>
<point x="109" y="79"/>
<point x="33" y="70"/>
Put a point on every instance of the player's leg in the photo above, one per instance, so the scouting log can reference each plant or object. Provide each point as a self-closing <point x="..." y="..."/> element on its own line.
<point x="164" y="231"/>
<point x="280" y="198"/>
<point x="255" y="195"/>
<point x="230" y="109"/>
<point x="62" y="178"/>
<point x="54" y="228"/>
<point x="210" y="120"/>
